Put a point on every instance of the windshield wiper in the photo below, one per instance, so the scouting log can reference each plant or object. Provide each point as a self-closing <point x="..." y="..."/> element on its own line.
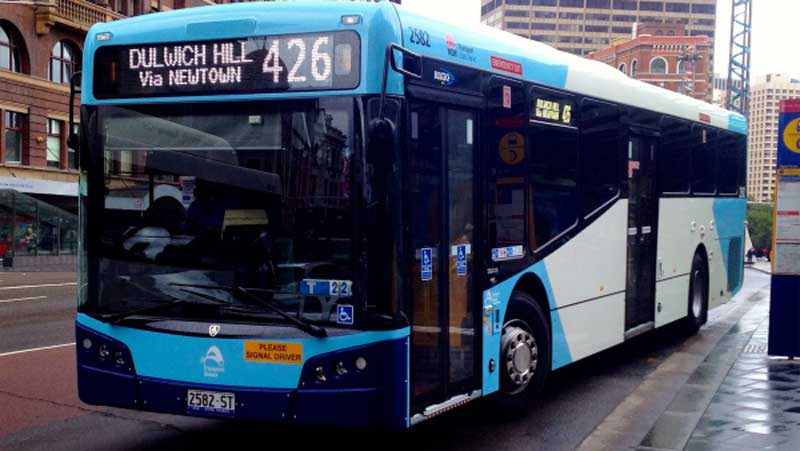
<point x="116" y="318"/>
<point x="253" y="300"/>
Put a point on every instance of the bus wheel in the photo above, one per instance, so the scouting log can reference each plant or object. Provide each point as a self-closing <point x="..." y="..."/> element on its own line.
<point x="524" y="352"/>
<point x="698" y="295"/>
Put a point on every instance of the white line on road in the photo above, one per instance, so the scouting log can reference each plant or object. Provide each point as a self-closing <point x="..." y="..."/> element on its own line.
<point x="44" y="285"/>
<point x="31" y="298"/>
<point x="43" y="348"/>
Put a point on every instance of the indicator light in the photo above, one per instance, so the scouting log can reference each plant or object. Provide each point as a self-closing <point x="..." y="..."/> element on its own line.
<point x="104" y="352"/>
<point x="361" y="363"/>
<point x="104" y="36"/>
<point x="87" y="344"/>
<point x="119" y="358"/>
<point x="351" y="20"/>
<point x="319" y="372"/>
<point x="341" y="370"/>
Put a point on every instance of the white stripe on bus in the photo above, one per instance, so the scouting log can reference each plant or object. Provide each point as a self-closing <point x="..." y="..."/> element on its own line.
<point x="44" y="285"/>
<point x="31" y="298"/>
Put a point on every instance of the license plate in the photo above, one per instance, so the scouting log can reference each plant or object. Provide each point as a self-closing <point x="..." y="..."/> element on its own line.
<point x="211" y="401"/>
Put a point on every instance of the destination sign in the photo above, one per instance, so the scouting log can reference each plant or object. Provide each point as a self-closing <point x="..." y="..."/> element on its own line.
<point x="305" y="62"/>
<point x="552" y="110"/>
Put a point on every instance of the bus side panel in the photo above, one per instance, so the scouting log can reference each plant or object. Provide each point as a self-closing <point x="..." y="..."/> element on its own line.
<point x="588" y="312"/>
<point x="685" y="224"/>
<point x="588" y="278"/>
<point x="677" y="243"/>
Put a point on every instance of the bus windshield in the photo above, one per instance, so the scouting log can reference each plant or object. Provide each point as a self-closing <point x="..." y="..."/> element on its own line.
<point x="197" y="196"/>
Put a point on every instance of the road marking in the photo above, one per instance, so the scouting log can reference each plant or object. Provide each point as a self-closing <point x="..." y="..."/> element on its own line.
<point x="44" y="285"/>
<point x="31" y="298"/>
<point x="43" y="348"/>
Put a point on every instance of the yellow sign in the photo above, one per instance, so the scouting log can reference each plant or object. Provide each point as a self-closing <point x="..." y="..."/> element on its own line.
<point x="512" y="148"/>
<point x="550" y="110"/>
<point x="273" y="352"/>
<point x="791" y="136"/>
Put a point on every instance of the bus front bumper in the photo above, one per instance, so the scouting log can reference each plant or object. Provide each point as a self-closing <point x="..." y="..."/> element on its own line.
<point x="374" y="397"/>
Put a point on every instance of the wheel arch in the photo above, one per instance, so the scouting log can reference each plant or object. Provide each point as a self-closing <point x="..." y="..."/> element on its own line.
<point x="532" y="285"/>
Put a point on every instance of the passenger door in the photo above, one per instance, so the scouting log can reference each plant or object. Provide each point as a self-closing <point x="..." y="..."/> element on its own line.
<point x="441" y="219"/>
<point x="642" y="222"/>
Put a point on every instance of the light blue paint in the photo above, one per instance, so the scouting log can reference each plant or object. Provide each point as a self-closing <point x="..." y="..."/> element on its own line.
<point x="729" y="217"/>
<point x="178" y="358"/>
<point x="475" y="50"/>
<point x="498" y="297"/>
<point x="379" y="27"/>
<point x="737" y="123"/>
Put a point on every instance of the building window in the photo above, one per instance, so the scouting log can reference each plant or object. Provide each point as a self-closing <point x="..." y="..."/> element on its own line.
<point x="658" y="65"/>
<point x="12" y="123"/>
<point x="64" y="59"/>
<point x="623" y="69"/>
<point x="634" y="67"/>
<point x="9" y="54"/>
<point x="651" y="6"/>
<point x="625" y="4"/>
<point x="53" y="143"/>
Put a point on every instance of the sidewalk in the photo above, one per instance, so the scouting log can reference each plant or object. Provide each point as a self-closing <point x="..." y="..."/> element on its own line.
<point x="738" y="399"/>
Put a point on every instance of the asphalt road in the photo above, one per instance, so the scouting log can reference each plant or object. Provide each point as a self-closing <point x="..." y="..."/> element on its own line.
<point x="39" y="409"/>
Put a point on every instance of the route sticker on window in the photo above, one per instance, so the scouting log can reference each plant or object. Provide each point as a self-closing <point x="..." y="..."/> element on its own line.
<point x="507" y="253"/>
<point x="273" y="352"/>
<point x="324" y="287"/>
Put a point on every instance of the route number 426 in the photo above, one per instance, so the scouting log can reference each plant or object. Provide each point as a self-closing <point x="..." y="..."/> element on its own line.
<point x="321" y="67"/>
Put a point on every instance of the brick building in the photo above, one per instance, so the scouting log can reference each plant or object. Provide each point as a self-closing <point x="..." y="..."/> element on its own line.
<point x="663" y="55"/>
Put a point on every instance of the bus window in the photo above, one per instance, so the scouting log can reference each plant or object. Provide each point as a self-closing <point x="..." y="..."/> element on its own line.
<point x="704" y="162"/>
<point x="741" y="169"/>
<point x="600" y="162"/>
<point x="508" y="164"/>
<point x="728" y="159"/>
<point x="674" y="161"/>
<point x="554" y="161"/>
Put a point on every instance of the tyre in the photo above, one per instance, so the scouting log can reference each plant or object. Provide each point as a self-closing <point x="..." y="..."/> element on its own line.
<point x="698" y="295"/>
<point x="524" y="353"/>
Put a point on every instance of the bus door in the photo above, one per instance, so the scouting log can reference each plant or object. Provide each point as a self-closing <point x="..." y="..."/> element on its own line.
<point x="642" y="222"/>
<point x="441" y="219"/>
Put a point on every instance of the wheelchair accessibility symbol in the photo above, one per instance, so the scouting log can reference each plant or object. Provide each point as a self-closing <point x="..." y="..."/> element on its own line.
<point x="344" y="314"/>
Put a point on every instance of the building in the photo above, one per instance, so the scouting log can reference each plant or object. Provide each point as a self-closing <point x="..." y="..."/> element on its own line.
<point x="584" y="26"/>
<point x="663" y="55"/>
<point x="762" y="143"/>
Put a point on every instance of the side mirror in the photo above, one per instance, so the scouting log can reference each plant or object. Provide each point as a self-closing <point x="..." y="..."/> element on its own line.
<point x="73" y="141"/>
<point x="412" y="67"/>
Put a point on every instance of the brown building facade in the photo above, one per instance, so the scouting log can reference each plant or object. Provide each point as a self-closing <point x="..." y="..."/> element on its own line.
<point x="663" y="55"/>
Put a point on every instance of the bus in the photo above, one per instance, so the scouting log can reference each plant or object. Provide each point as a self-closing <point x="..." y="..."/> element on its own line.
<point x="349" y="214"/>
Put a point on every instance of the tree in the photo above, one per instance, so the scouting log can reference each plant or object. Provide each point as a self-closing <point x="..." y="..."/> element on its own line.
<point x="759" y="223"/>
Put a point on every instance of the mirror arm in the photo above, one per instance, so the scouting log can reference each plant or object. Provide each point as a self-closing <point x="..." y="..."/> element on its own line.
<point x="390" y="60"/>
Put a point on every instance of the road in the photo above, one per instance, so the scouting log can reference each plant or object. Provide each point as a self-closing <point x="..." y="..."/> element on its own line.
<point x="39" y="409"/>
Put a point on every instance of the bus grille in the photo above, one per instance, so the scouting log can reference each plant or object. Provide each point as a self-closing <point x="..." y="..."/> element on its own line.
<point x="735" y="260"/>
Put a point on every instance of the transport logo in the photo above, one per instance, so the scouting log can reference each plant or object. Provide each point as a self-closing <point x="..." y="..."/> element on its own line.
<point x="213" y="330"/>
<point x="791" y="136"/>
<point x="444" y="77"/>
<point x="213" y="362"/>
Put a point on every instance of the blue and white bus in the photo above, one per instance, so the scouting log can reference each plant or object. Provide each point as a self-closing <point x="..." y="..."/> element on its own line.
<point x="349" y="214"/>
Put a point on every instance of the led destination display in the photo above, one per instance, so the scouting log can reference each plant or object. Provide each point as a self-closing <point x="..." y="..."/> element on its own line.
<point x="317" y="61"/>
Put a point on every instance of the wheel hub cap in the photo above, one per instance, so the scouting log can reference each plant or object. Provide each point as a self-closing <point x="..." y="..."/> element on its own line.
<point x="521" y="356"/>
<point x="697" y="294"/>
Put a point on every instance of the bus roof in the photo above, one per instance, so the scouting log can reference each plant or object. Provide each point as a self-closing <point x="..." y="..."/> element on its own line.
<point x="477" y="45"/>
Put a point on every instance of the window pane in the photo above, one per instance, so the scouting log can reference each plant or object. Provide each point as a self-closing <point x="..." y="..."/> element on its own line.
<point x="53" y="151"/>
<point x="674" y="161"/>
<point x="554" y="182"/>
<point x="704" y="172"/>
<point x="728" y="157"/>
<point x="55" y="70"/>
<point x="5" y="57"/>
<point x="600" y="163"/>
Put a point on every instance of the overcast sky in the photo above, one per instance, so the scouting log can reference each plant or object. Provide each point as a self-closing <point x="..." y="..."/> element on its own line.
<point x="774" y="22"/>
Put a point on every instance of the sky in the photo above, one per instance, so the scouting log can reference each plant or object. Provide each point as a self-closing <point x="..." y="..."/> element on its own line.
<point x="774" y="21"/>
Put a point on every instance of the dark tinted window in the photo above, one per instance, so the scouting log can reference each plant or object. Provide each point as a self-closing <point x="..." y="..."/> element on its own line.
<point x="599" y="154"/>
<point x="507" y="165"/>
<point x="572" y="3"/>
<point x="728" y="163"/>
<point x="554" y="175"/>
<point x="704" y="172"/>
<point x="625" y="4"/>
<point x="675" y="156"/>
<point x="544" y="2"/>
<point x="741" y="179"/>
<point x="703" y="9"/>
<point x="651" y="6"/>
<point x="677" y="7"/>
